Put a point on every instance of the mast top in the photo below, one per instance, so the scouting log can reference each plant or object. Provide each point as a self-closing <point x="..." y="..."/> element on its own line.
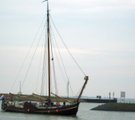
<point x="45" y="0"/>
<point x="47" y="5"/>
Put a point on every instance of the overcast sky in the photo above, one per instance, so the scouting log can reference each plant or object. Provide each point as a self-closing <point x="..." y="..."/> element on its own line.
<point x="99" y="33"/>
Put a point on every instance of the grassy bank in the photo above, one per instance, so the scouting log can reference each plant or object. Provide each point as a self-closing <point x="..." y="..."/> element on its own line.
<point x="127" y="107"/>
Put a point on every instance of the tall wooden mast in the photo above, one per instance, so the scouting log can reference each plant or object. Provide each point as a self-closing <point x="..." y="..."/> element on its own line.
<point x="48" y="39"/>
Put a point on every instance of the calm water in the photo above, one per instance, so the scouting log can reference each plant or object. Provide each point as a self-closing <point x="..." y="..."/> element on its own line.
<point x="84" y="114"/>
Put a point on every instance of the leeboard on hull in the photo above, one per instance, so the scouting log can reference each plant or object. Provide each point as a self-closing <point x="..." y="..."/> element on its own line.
<point x="52" y="110"/>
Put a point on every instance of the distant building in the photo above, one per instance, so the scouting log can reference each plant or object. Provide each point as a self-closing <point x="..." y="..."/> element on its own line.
<point x="122" y="96"/>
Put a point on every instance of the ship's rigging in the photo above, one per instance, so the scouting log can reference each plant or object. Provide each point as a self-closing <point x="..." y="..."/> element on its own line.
<point x="49" y="50"/>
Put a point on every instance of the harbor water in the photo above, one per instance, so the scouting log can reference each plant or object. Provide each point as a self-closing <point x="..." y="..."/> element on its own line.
<point x="84" y="113"/>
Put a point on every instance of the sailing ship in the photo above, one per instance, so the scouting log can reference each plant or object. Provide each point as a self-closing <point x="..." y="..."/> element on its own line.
<point x="39" y="104"/>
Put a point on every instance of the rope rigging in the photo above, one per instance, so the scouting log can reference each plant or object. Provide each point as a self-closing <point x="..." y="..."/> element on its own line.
<point x="53" y="61"/>
<point x="67" y="48"/>
<point x="27" y="54"/>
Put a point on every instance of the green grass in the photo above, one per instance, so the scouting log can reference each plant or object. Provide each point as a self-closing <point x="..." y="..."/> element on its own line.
<point x="116" y="107"/>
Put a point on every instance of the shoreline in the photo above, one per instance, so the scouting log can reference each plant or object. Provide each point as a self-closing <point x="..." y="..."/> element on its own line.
<point x="123" y="107"/>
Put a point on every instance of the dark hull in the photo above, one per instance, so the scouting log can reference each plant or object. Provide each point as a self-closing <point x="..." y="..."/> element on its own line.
<point x="61" y="110"/>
